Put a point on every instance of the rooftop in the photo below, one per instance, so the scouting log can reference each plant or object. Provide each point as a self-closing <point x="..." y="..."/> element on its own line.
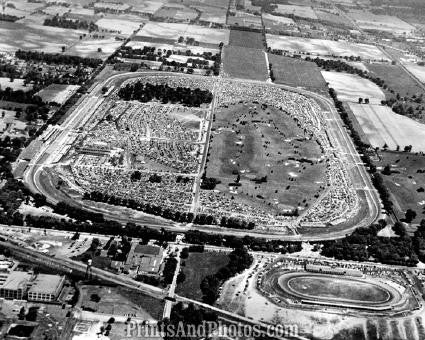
<point x="16" y="280"/>
<point x="46" y="283"/>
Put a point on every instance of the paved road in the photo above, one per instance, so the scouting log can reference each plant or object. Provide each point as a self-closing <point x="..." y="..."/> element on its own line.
<point x="87" y="108"/>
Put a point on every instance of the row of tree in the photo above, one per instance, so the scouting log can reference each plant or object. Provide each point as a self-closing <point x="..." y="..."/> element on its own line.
<point x="56" y="58"/>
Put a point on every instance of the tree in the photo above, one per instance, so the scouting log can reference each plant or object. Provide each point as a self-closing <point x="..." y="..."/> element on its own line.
<point x="360" y="100"/>
<point x="387" y="170"/>
<point x="21" y="315"/>
<point x="410" y="215"/>
<point x="399" y="229"/>
<point x="181" y="277"/>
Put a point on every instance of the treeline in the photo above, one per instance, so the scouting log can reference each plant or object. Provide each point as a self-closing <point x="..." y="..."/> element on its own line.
<point x="8" y="17"/>
<point x="239" y="260"/>
<point x="56" y="58"/>
<point x="19" y="96"/>
<point x="169" y="269"/>
<point x="363" y="150"/>
<point x="164" y="93"/>
<point x="61" y="21"/>
<point x="364" y="244"/>
<point x="169" y="214"/>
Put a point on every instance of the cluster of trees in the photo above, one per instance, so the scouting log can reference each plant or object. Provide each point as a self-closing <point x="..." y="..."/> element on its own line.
<point x="62" y="21"/>
<point x="239" y="260"/>
<point x="209" y="183"/>
<point x="147" y="92"/>
<point x="365" y="245"/>
<point x="19" y="96"/>
<point x="169" y="269"/>
<point x="236" y="223"/>
<point x="52" y="58"/>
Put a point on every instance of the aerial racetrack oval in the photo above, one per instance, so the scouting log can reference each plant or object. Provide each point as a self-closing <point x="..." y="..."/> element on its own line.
<point x="329" y="289"/>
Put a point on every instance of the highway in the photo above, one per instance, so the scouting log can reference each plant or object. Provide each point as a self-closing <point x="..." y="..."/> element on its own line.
<point x="87" y="107"/>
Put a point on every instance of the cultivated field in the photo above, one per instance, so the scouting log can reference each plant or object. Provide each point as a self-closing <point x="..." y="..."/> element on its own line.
<point x="196" y="268"/>
<point x="212" y="14"/>
<point x="350" y="87"/>
<point x="397" y="79"/>
<point x="370" y="21"/>
<point x="247" y="63"/>
<point x="243" y="19"/>
<point x="405" y="182"/>
<point x="333" y="18"/>
<point x="123" y="26"/>
<point x="263" y="143"/>
<point x="275" y="22"/>
<point x="57" y="93"/>
<point x="147" y="7"/>
<point x="176" y="12"/>
<point x="324" y="47"/>
<point x="298" y="11"/>
<point x="296" y="72"/>
<point x="382" y="126"/>
<point x="35" y="37"/>
<point x="173" y="31"/>
<point x="246" y="39"/>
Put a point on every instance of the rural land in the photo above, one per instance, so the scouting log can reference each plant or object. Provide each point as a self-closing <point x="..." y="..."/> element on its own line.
<point x="222" y="169"/>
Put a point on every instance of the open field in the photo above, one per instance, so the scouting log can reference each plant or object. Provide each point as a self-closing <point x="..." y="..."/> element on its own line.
<point x="387" y="23"/>
<point x="296" y="72"/>
<point x="397" y="79"/>
<point x="298" y="11"/>
<point x="247" y="63"/>
<point x="350" y="87"/>
<point x="35" y="37"/>
<point x="196" y="268"/>
<point x="334" y="18"/>
<point x="176" y="12"/>
<point x="89" y="48"/>
<point x="121" y="301"/>
<point x="172" y="31"/>
<point x="264" y="143"/>
<point x="16" y="84"/>
<point x="246" y="39"/>
<point x="123" y="26"/>
<point x="324" y="47"/>
<point x="147" y="7"/>
<point x="382" y="126"/>
<point x="405" y="181"/>
<point x="57" y="93"/>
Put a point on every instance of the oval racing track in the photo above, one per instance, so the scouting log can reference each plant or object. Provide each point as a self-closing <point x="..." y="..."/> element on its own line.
<point x="88" y="106"/>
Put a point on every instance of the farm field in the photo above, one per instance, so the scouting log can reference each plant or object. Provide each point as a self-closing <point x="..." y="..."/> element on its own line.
<point x="332" y="17"/>
<point x="350" y="87"/>
<point x="246" y="39"/>
<point x="197" y="267"/>
<point x="405" y="181"/>
<point x="147" y="7"/>
<point x="382" y="126"/>
<point x="17" y="36"/>
<point x="418" y="71"/>
<point x="16" y="84"/>
<point x="57" y="93"/>
<point x="276" y="22"/>
<point x="243" y="19"/>
<point x="257" y="142"/>
<point x="247" y="63"/>
<point x="296" y="72"/>
<point x="89" y="48"/>
<point x="172" y="31"/>
<point x="298" y="11"/>
<point x="324" y="47"/>
<point x="176" y="12"/>
<point x="397" y="79"/>
<point x="212" y="14"/>
<point x="387" y="23"/>
<point x="124" y="26"/>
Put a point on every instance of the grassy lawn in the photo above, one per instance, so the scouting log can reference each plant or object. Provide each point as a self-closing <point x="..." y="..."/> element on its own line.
<point x="259" y="142"/>
<point x="296" y="72"/>
<point x="404" y="182"/>
<point x="245" y="63"/>
<point x="197" y="267"/>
